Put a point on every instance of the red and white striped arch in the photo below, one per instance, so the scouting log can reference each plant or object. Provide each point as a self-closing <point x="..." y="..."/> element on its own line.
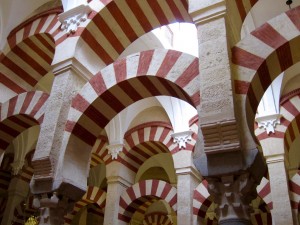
<point x="261" y="56"/>
<point x="294" y="184"/>
<point x="145" y="74"/>
<point x="121" y="22"/>
<point x="145" y="141"/>
<point x="157" y="219"/>
<point x="30" y="51"/>
<point x="93" y="195"/>
<point x="19" y="113"/>
<point x="201" y="201"/>
<point x="145" y="191"/>
<point x="100" y="152"/>
<point x="264" y="191"/>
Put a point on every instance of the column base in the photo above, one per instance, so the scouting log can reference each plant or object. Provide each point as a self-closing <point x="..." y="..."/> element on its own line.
<point x="235" y="221"/>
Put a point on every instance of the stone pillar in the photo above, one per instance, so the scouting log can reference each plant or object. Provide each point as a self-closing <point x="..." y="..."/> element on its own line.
<point x="116" y="185"/>
<point x="187" y="179"/>
<point x="67" y="82"/>
<point x="273" y="149"/>
<point x="52" y="209"/>
<point x="17" y="192"/>
<point x="216" y="113"/>
<point x="119" y="178"/>
<point x="281" y="213"/>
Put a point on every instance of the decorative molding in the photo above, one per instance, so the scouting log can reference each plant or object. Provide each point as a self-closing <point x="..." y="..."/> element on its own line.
<point x="221" y="136"/>
<point x="209" y="12"/>
<point x="268" y="122"/>
<point x="74" y="65"/>
<point x="182" y="138"/>
<point x="289" y="95"/>
<point x="114" y="150"/>
<point x="72" y="18"/>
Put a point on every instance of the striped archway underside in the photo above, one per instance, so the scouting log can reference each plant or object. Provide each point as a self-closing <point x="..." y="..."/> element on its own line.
<point x="294" y="185"/>
<point x="289" y="127"/>
<point x="145" y="74"/>
<point x="141" y="193"/>
<point x="100" y="152"/>
<point x="121" y="22"/>
<point x="262" y="55"/>
<point x="201" y="202"/>
<point x="92" y="195"/>
<point x="157" y="219"/>
<point x="20" y="113"/>
<point x="147" y="140"/>
<point x="30" y="51"/>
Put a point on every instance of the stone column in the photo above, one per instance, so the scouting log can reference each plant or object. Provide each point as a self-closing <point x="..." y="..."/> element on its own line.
<point x="216" y="112"/>
<point x="233" y="194"/>
<point x="67" y="82"/>
<point x="119" y="178"/>
<point x="187" y="179"/>
<point x="273" y="150"/>
<point x="281" y="213"/>
<point x="116" y="185"/>
<point x="17" y="192"/>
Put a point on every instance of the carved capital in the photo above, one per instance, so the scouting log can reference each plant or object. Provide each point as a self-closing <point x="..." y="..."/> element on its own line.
<point x="233" y="194"/>
<point x="52" y="208"/>
<point x="182" y="138"/>
<point x="221" y="136"/>
<point x="268" y="122"/>
<point x="114" y="150"/>
<point x="72" y="18"/>
<point x="17" y="166"/>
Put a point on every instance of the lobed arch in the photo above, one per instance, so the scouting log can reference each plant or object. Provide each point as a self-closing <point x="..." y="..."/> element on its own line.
<point x="143" y="192"/>
<point x="141" y="75"/>
<point x="118" y="23"/>
<point x="92" y="195"/>
<point x="260" y="57"/>
<point x="19" y="113"/>
<point x="29" y="52"/>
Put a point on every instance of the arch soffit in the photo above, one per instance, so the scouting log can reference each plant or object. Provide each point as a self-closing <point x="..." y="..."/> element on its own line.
<point x="117" y="24"/>
<point x="25" y="110"/>
<point x="34" y="39"/>
<point x="156" y="188"/>
<point x="92" y="195"/>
